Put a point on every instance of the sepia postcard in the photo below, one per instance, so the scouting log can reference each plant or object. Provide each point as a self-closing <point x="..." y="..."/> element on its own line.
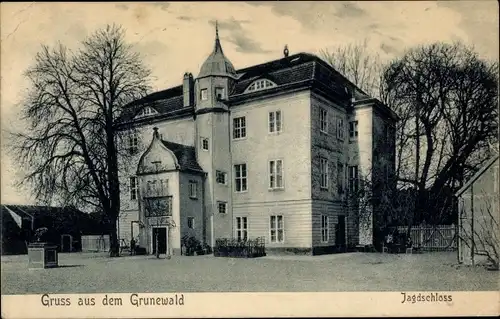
<point x="249" y="159"/>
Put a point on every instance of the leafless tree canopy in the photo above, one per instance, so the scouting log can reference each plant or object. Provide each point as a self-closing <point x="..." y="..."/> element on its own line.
<point x="71" y="149"/>
<point x="447" y="98"/>
<point x="356" y="64"/>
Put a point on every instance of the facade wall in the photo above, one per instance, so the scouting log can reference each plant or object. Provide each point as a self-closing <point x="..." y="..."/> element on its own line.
<point x="191" y="207"/>
<point x="297" y="222"/>
<point x="259" y="146"/>
<point x="360" y="154"/>
<point x="479" y="216"/>
<point x="332" y="210"/>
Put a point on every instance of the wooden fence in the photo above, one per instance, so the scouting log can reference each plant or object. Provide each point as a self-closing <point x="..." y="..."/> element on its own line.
<point x="433" y="238"/>
<point x="95" y="243"/>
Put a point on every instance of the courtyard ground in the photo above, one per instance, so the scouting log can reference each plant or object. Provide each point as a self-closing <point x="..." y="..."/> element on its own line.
<point x="91" y="273"/>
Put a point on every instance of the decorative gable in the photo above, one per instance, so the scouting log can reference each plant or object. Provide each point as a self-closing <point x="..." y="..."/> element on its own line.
<point x="157" y="158"/>
<point x="259" y="85"/>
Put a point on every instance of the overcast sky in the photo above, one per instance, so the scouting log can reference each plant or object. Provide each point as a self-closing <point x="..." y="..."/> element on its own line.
<point x="174" y="38"/>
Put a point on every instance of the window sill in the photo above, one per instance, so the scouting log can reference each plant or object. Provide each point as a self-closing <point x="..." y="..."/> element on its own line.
<point x="324" y="188"/>
<point x="276" y="189"/>
<point x="193" y="197"/>
<point x="241" y="192"/>
<point x="239" y="138"/>
<point x="274" y="133"/>
<point x="323" y="132"/>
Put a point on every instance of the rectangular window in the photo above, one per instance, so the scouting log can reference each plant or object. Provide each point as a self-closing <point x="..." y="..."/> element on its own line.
<point x="133" y="187"/>
<point x="276" y="174"/>
<point x="241" y="228"/>
<point x="325" y="234"/>
<point x="133" y="142"/>
<point x="204" y="94"/>
<point x="277" y="231"/>
<point x="340" y="178"/>
<point x="190" y="222"/>
<point x="353" y="129"/>
<point x="324" y="172"/>
<point x="219" y="93"/>
<point x="193" y="189"/>
<point x="275" y="122"/>
<point x="222" y="207"/>
<point x="340" y="128"/>
<point x="204" y="143"/>
<point x="239" y="127"/>
<point x="353" y="179"/>
<point x="240" y="177"/>
<point x="220" y="177"/>
<point x="323" y="120"/>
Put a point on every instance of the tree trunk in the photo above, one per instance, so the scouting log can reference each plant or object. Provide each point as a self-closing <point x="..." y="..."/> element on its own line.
<point x="114" y="249"/>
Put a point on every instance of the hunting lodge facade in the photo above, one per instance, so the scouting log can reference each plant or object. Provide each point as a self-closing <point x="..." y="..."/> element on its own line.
<point x="273" y="150"/>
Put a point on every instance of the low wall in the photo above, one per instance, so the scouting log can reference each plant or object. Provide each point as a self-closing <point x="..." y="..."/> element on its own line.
<point x="95" y="243"/>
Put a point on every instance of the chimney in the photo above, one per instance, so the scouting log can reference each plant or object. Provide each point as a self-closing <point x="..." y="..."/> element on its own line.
<point x="188" y="89"/>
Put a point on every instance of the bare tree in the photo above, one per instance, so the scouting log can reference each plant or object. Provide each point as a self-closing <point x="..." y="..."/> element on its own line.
<point x="447" y="98"/>
<point x="71" y="148"/>
<point x="356" y="64"/>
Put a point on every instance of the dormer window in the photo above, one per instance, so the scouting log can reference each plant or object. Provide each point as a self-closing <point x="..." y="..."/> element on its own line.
<point x="259" y="85"/>
<point x="146" y="112"/>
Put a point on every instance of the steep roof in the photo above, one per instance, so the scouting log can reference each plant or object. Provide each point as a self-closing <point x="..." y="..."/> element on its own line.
<point x="29" y="211"/>
<point x="186" y="155"/>
<point x="477" y="175"/>
<point x="301" y="68"/>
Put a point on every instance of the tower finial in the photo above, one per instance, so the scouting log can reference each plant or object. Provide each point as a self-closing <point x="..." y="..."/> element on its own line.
<point x="216" y="29"/>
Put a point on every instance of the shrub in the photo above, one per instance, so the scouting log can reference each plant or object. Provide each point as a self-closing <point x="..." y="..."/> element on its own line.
<point x="225" y="247"/>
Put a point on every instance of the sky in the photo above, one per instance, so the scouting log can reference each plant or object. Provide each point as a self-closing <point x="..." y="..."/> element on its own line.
<point x="174" y="38"/>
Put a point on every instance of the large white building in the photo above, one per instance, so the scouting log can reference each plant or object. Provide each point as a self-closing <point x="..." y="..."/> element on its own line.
<point x="273" y="150"/>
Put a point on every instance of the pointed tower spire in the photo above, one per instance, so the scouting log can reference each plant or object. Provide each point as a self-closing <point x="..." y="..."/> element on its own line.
<point x="218" y="47"/>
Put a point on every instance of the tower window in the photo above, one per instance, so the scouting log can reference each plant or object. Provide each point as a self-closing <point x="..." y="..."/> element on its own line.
<point x="204" y="94"/>
<point x="204" y="143"/>
<point x="219" y="93"/>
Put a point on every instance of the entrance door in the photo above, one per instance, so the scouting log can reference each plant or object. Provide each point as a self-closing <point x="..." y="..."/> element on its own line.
<point x="161" y="232"/>
<point x="340" y="232"/>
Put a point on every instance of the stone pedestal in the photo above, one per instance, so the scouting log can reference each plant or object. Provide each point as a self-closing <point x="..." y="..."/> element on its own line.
<point x="42" y="255"/>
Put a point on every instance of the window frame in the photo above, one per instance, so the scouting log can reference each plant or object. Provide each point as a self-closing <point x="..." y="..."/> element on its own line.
<point x="222" y="96"/>
<point x="133" y="190"/>
<point x="260" y="85"/>
<point x="241" y="128"/>
<point x="193" y="185"/>
<point x="190" y="219"/>
<point x="325" y="228"/>
<point x="224" y="204"/>
<point x="275" y="125"/>
<point x="133" y="142"/>
<point x="354" y="179"/>
<point x="241" y="228"/>
<point x="340" y="178"/>
<point x="324" y="171"/>
<point x="275" y="227"/>
<point x="203" y="140"/>
<point x="223" y="174"/>
<point x="353" y="129"/>
<point x="241" y="178"/>
<point x="204" y="94"/>
<point x="323" y="120"/>
<point x="273" y="174"/>
<point x="340" y="129"/>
